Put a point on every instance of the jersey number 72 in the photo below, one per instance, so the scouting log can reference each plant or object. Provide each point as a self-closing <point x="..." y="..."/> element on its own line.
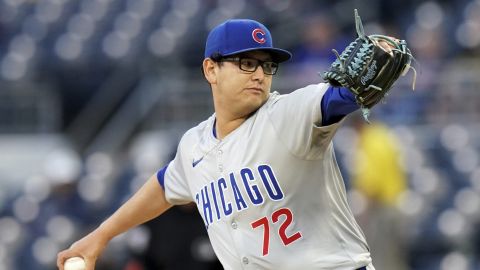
<point x="287" y="240"/>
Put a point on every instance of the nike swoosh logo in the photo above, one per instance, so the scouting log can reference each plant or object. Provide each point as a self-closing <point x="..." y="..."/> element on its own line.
<point x="195" y="162"/>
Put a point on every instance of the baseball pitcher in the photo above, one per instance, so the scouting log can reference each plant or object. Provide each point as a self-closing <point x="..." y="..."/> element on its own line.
<point x="262" y="169"/>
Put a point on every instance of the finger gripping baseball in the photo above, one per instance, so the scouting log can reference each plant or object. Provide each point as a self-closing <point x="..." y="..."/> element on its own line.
<point x="367" y="68"/>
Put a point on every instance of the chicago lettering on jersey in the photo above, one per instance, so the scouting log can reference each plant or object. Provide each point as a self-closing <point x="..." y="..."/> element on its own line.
<point x="212" y="200"/>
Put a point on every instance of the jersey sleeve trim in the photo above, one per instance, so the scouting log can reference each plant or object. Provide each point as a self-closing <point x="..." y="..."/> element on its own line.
<point x="161" y="176"/>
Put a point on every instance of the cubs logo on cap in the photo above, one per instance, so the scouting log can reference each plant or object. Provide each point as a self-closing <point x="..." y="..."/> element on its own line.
<point x="242" y="35"/>
<point x="258" y="35"/>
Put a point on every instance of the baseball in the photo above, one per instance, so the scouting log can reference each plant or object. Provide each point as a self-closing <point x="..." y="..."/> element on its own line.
<point x="74" y="263"/>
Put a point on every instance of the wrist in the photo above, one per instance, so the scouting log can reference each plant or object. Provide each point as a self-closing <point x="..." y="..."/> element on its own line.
<point x="104" y="233"/>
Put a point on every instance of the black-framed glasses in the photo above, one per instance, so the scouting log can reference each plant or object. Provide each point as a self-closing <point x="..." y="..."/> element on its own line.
<point x="250" y="65"/>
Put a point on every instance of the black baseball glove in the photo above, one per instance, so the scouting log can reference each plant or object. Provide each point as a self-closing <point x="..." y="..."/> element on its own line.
<point x="369" y="66"/>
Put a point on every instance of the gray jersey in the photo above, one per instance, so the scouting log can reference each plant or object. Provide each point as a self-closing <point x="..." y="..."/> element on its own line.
<point x="270" y="193"/>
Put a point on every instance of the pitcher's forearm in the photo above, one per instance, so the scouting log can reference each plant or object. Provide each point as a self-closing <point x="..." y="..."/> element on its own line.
<point x="147" y="203"/>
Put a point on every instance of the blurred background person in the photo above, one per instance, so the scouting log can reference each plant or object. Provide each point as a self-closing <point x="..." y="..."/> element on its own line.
<point x="319" y="35"/>
<point x="379" y="177"/>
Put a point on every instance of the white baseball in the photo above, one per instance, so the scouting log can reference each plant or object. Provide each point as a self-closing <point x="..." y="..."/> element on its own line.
<point x="74" y="263"/>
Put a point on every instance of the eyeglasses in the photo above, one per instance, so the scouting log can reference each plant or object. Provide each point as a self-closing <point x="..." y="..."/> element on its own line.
<point x="250" y="65"/>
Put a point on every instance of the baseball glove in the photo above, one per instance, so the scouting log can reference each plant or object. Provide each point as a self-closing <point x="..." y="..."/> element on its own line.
<point x="369" y="66"/>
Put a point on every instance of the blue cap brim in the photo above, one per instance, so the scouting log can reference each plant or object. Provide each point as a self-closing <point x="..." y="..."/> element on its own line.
<point x="278" y="55"/>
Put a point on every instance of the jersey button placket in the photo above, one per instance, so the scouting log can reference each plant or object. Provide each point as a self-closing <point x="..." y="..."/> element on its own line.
<point x="245" y="260"/>
<point x="234" y="225"/>
<point x="219" y="160"/>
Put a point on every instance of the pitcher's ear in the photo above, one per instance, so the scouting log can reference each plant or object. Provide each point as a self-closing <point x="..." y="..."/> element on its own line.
<point x="209" y="70"/>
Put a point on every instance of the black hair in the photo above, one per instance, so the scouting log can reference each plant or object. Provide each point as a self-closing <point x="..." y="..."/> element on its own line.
<point x="216" y="57"/>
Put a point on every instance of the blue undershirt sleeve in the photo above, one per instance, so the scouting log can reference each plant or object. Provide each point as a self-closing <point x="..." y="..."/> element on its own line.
<point x="161" y="176"/>
<point x="336" y="103"/>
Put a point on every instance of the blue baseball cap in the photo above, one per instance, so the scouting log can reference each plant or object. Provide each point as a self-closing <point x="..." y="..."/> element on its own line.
<point x="242" y="35"/>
